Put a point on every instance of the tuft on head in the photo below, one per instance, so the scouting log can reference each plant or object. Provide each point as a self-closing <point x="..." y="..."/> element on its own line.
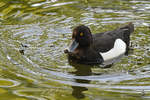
<point x="82" y="34"/>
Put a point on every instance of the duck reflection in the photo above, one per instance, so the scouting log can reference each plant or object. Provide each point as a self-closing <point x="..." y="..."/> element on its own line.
<point x="77" y="92"/>
<point x="81" y="70"/>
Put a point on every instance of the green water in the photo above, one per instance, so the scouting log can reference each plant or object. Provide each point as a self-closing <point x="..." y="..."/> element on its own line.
<point x="34" y="33"/>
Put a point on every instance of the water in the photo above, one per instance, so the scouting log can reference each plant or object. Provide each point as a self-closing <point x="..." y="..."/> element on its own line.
<point x="34" y="33"/>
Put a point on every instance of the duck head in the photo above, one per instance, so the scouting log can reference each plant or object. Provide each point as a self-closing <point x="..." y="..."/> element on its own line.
<point x="81" y="38"/>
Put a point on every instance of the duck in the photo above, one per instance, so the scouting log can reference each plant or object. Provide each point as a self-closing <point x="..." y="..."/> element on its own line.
<point x="88" y="48"/>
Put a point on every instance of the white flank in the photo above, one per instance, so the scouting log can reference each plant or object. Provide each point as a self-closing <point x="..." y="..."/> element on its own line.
<point x="118" y="49"/>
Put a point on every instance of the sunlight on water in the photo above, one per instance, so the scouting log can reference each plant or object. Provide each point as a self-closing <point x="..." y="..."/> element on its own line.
<point x="8" y="83"/>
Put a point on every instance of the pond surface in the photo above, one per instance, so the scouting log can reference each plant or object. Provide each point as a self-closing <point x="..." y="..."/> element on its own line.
<point x="34" y="33"/>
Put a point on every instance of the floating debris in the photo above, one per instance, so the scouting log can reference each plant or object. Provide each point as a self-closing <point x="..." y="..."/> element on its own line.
<point x="24" y="45"/>
<point x="22" y="52"/>
<point x="22" y="49"/>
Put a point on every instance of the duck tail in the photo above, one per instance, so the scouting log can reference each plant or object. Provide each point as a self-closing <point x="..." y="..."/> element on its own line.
<point x="128" y="30"/>
<point x="129" y="27"/>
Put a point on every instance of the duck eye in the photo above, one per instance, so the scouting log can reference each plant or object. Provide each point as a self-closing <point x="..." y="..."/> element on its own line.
<point x="81" y="34"/>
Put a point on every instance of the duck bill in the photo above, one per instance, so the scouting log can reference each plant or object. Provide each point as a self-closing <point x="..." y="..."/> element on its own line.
<point x="73" y="46"/>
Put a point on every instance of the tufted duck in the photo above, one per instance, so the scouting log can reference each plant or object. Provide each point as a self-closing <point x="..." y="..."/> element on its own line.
<point x="98" y="48"/>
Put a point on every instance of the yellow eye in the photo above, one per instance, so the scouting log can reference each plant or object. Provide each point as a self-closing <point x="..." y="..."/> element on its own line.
<point x="81" y="34"/>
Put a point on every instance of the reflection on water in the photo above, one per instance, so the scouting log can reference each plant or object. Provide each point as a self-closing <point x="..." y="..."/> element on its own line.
<point x="8" y="83"/>
<point x="81" y="70"/>
<point x="33" y="35"/>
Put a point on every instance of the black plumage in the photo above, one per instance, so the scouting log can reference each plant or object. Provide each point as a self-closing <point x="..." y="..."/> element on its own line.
<point x="88" y="48"/>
